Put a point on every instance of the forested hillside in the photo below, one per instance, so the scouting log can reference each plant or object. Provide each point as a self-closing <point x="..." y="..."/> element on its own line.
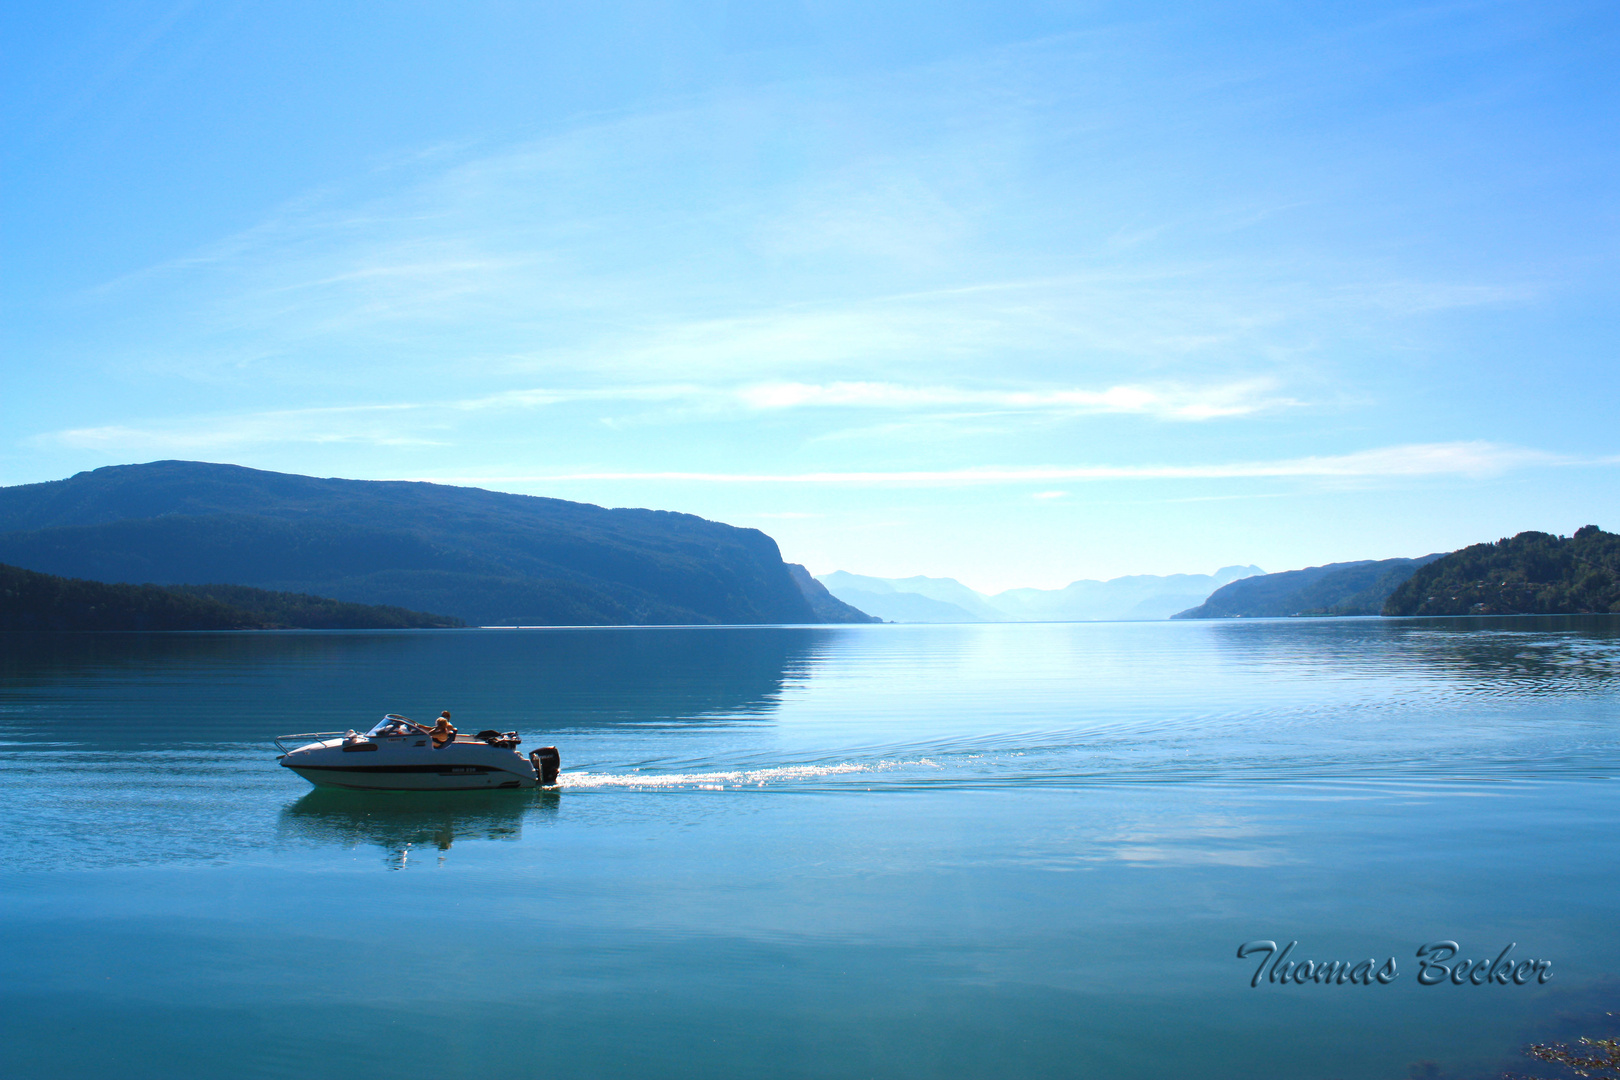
<point x="486" y="557"/>
<point x="1533" y="573"/>
<point x="1347" y="588"/>
<point x="32" y="601"/>
<point x="35" y="601"/>
<point x="305" y="612"/>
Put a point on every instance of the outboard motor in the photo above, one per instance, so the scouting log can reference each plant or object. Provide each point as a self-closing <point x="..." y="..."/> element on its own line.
<point x="547" y="762"/>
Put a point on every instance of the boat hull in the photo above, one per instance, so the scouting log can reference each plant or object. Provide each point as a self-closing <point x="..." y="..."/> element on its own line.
<point x="388" y="780"/>
<point x="411" y="765"/>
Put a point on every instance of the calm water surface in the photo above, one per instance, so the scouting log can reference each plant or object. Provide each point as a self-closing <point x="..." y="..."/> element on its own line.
<point x="1024" y="850"/>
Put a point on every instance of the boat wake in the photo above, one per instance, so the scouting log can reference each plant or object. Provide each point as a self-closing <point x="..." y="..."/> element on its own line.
<point x="728" y="779"/>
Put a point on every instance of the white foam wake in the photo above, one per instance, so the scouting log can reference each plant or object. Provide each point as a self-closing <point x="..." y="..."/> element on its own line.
<point x="732" y="778"/>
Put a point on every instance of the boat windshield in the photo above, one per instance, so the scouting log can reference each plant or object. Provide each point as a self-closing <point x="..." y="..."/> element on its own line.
<point x="394" y="725"/>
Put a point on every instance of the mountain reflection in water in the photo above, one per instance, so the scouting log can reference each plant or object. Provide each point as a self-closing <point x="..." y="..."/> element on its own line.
<point x="143" y="691"/>
<point x="1506" y="654"/>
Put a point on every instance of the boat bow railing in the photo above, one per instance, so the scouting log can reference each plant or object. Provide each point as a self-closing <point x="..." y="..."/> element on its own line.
<point x="307" y="737"/>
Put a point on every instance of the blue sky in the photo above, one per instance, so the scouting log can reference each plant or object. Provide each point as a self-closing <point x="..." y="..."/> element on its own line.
<point x="1016" y="294"/>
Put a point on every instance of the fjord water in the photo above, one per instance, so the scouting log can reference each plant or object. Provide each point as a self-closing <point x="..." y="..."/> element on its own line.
<point x="892" y="851"/>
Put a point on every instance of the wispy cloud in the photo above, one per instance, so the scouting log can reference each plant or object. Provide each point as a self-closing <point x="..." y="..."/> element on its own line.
<point x="404" y="423"/>
<point x="1469" y="459"/>
<point x="540" y="397"/>
<point x="626" y="246"/>
<point x="380" y="425"/>
<point x="1170" y="402"/>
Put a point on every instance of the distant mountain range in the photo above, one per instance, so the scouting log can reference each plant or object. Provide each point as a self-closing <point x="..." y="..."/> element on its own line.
<point x="1533" y="573"/>
<point x="35" y="601"/>
<point x="486" y="557"/>
<point x="1529" y="574"/>
<point x="944" y="600"/>
<point x="1347" y="588"/>
<point x="302" y="551"/>
<point x="828" y="608"/>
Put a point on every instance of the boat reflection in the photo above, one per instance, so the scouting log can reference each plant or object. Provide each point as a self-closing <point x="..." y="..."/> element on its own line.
<point x="409" y="825"/>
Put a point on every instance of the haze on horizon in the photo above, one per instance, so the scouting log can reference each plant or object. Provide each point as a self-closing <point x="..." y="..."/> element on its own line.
<point x="1011" y="293"/>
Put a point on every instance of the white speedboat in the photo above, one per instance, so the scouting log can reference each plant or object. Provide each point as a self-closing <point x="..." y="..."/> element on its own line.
<point x="400" y="755"/>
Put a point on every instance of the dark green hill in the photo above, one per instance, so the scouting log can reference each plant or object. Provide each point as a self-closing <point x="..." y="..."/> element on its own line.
<point x="284" y="610"/>
<point x="487" y="557"/>
<point x="31" y="601"/>
<point x="34" y="601"/>
<point x="1347" y="588"/>
<point x="1533" y="573"/>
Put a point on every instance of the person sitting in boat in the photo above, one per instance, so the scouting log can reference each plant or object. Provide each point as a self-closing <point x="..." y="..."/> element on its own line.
<point x="443" y="732"/>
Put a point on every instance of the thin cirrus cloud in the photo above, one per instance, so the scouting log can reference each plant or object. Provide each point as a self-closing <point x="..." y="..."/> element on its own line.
<point x="549" y="254"/>
<point x="1178" y="403"/>
<point x="385" y="424"/>
<point x="1168" y="401"/>
<point x="1469" y="459"/>
<point x="380" y="425"/>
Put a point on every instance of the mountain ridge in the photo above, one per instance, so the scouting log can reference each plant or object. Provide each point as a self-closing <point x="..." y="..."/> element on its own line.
<point x="1358" y="587"/>
<point x="827" y="606"/>
<point x="489" y="558"/>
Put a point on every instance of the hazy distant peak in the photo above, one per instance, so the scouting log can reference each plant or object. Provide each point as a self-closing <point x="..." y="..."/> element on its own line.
<point x="843" y="579"/>
<point x="828" y="608"/>
<point x="1137" y="596"/>
<point x="961" y="603"/>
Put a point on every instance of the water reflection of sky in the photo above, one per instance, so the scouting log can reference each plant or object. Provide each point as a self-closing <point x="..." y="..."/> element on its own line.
<point x="1010" y="850"/>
